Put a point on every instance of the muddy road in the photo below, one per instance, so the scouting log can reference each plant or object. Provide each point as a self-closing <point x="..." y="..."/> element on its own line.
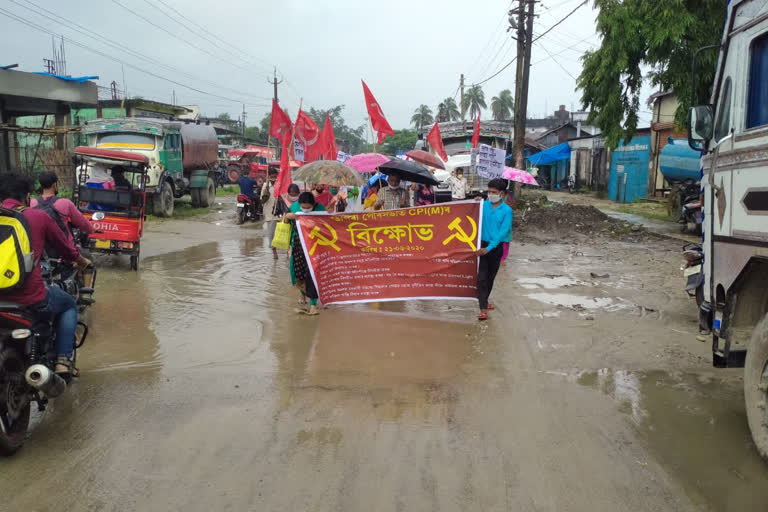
<point x="201" y="389"/>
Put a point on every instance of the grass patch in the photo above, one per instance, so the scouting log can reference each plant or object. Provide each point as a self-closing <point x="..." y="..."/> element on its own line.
<point x="228" y="190"/>
<point x="181" y="210"/>
<point x="646" y="209"/>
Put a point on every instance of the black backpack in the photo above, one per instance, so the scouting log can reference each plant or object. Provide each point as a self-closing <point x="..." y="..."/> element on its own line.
<point x="47" y="206"/>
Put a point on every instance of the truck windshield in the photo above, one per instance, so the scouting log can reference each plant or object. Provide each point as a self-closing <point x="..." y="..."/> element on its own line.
<point x="125" y="141"/>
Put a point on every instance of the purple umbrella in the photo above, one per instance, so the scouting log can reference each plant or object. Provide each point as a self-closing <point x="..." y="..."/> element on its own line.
<point x="367" y="162"/>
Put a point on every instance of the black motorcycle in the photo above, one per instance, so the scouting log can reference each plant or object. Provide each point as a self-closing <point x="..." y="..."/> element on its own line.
<point x="28" y="354"/>
<point x="693" y="271"/>
<point x="690" y="207"/>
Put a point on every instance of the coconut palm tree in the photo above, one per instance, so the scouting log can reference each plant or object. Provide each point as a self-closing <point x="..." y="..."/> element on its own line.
<point x="422" y="117"/>
<point x="448" y="110"/>
<point x="474" y="101"/>
<point x="502" y="105"/>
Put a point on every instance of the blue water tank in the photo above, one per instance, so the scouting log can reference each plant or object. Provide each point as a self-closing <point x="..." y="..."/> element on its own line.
<point x="678" y="162"/>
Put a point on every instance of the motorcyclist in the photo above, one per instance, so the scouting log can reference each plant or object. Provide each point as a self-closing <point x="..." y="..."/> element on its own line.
<point x="247" y="186"/>
<point x="66" y="209"/>
<point x="15" y="192"/>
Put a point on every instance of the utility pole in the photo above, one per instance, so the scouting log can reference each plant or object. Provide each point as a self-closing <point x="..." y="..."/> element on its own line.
<point x="461" y="105"/>
<point x="524" y="37"/>
<point x="245" y="115"/>
<point x="274" y="83"/>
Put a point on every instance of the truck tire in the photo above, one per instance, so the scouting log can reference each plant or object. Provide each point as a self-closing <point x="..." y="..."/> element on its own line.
<point x="195" y="193"/>
<point x="162" y="200"/>
<point x="756" y="386"/>
<point x="208" y="194"/>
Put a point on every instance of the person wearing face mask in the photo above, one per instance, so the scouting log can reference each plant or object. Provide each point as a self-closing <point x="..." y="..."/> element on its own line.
<point x="392" y="196"/>
<point x="298" y="266"/>
<point x="458" y="184"/>
<point x="338" y="202"/>
<point x="497" y="224"/>
<point x="322" y="195"/>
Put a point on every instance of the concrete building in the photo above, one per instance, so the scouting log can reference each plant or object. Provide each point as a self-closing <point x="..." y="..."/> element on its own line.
<point x="664" y="105"/>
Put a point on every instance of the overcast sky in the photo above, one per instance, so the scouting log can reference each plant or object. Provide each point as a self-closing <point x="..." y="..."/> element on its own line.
<point x="408" y="51"/>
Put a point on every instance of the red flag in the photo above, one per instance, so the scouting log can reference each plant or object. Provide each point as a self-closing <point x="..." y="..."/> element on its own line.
<point x="308" y="134"/>
<point x="280" y="124"/>
<point x="329" y="140"/>
<point x="476" y="134"/>
<point x="284" y="178"/>
<point x="378" y="121"/>
<point x="436" y="141"/>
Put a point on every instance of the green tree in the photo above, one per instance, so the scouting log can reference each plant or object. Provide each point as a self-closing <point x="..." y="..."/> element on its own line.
<point x="502" y="106"/>
<point x="447" y="110"/>
<point x="253" y="133"/>
<point x="474" y="101"/>
<point x="224" y="117"/>
<point x="659" y="36"/>
<point x="422" y="117"/>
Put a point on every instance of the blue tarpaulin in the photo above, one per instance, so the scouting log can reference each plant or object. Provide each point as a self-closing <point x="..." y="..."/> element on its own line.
<point x="79" y="79"/>
<point x="553" y="154"/>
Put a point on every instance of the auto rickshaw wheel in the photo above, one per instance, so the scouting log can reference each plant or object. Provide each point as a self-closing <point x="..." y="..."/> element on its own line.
<point x="135" y="258"/>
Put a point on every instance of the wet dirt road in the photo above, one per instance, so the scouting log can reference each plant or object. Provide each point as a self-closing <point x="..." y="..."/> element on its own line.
<point x="202" y="390"/>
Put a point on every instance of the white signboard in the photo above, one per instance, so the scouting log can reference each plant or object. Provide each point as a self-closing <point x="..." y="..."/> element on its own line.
<point x="490" y="161"/>
<point x="298" y="150"/>
<point x="342" y="157"/>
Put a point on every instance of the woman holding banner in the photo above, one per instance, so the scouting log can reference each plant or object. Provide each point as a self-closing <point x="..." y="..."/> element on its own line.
<point x="299" y="268"/>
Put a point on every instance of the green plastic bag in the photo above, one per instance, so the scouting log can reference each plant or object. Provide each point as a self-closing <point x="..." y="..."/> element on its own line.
<point x="282" y="238"/>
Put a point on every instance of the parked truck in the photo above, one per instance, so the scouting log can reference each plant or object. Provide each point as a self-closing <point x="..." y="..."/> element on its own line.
<point x="732" y="134"/>
<point x="183" y="156"/>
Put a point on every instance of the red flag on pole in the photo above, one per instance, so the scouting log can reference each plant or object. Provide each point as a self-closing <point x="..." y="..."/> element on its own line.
<point x="378" y="121"/>
<point x="435" y="140"/>
<point x="329" y="140"/>
<point x="308" y="134"/>
<point x="284" y="178"/>
<point x="476" y="134"/>
<point x="280" y="124"/>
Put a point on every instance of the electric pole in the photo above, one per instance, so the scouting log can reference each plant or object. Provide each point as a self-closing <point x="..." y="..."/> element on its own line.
<point x="245" y="115"/>
<point x="461" y="106"/>
<point x="274" y="83"/>
<point x="524" y="26"/>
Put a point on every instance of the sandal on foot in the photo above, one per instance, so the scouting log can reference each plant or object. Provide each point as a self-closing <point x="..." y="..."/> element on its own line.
<point x="69" y="369"/>
<point x="482" y="316"/>
<point x="490" y="307"/>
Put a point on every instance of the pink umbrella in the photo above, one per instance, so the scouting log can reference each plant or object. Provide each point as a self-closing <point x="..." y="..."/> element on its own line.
<point x="524" y="177"/>
<point x="366" y="162"/>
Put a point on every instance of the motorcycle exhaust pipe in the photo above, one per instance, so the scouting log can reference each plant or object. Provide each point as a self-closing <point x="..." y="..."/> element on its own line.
<point x="43" y="379"/>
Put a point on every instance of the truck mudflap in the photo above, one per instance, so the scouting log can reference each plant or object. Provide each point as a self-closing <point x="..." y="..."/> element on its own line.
<point x="198" y="178"/>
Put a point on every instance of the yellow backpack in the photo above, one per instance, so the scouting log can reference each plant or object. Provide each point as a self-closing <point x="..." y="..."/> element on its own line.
<point x="16" y="257"/>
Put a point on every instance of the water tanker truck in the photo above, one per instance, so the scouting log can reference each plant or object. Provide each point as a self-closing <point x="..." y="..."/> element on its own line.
<point x="182" y="156"/>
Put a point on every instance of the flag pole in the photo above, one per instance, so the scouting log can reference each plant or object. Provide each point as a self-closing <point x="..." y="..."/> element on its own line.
<point x="291" y="153"/>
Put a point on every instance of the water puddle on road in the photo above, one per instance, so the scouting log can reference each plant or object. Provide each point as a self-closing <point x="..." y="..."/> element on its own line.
<point x="696" y="427"/>
<point x="573" y="301"/>
<point x="549" y="282"/>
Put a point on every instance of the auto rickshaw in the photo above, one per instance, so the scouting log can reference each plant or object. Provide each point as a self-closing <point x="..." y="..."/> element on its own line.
<point x="114" y="202"/>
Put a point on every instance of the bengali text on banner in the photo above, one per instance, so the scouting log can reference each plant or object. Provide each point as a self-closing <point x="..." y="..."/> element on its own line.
<point x="412" y="253"/>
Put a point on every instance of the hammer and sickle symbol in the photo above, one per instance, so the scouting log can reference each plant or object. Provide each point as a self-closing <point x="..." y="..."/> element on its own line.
<point x="461" y="235"/>
<point x="317" y="235"/>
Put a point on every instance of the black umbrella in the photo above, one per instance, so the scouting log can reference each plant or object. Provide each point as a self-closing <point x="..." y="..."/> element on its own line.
<point x="409" y="171"/>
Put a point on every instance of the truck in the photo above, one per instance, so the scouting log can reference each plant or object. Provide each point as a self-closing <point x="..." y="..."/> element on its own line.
<point x="731" y="131"/>
<point x="182" y="156"/>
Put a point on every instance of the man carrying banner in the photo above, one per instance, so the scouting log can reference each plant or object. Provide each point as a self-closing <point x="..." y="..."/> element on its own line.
<point x="497" y="223"/>
<point x="392" y="196"/>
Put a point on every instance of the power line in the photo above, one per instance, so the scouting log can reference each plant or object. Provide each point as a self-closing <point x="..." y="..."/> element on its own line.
<point x="556" y="24"/>
<point x="492" y="63"/>
<point x="490" y="38"/>
<point x="552" y="56"/>
<point x="76" y="27"/>
<point x="164" y="30"/>
<point x="109" y="57"/>
<point x="556" y="61"/>
<point x="497" y="73"/>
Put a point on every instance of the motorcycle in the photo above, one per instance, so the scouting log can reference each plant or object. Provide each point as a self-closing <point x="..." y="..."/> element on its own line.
<point x="690" y="211"/>
<point x="693" y="271"/>
<point x="28" y="354"/>
<point x="247" y="209"/>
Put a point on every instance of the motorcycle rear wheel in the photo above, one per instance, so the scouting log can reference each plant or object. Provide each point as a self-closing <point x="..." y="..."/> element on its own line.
<point x="241" y="215"/>
<point x="13" y="391"/>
